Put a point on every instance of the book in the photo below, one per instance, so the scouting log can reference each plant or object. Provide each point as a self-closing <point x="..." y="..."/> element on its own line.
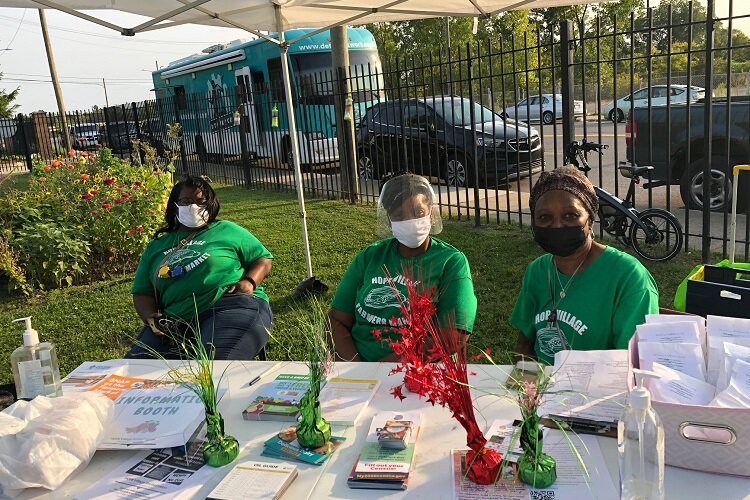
<point x="257" y="480"/>
<point x="278" y="400"/>
<point x="149" y="414"/>
<point x="343" y="400"/>
<point x="88" y="374"/>
<point x="386" y="467"/>
<point x="284" y="445"/>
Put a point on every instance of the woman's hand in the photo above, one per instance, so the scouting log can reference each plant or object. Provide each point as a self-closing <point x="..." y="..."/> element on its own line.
<point x="242" y="286"/>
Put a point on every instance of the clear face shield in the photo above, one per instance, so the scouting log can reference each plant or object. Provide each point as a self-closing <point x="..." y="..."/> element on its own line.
<point x="408" y="210"/>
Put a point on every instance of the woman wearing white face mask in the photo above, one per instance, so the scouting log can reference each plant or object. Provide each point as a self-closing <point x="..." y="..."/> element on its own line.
<point x="201" y="271"/>
<point x="366" y="300"/>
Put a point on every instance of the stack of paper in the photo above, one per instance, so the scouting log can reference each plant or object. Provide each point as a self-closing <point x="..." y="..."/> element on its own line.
<point x="678" y="344"/>
<point x="88" y="374"/>
<point x="284" y="445"/>
<point x="383" y="467"/>
<point x="256" y="480"/>
<point x="343" y="400"/>
<point x="278" y="400"/>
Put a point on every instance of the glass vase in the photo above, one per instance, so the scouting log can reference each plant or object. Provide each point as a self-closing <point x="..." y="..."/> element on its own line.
<point x="219" y="449"/>
<point x="313" y="431"/>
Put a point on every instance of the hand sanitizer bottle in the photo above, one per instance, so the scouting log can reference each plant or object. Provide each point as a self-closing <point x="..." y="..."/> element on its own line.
<point x="640" y="446"/>
<point x="34" y="365"/>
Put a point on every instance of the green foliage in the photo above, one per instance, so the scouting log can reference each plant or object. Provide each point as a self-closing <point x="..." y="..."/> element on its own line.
<point x="11" y="269"/>
<point x="7" y="108"/>
<point x="82" y="216"/>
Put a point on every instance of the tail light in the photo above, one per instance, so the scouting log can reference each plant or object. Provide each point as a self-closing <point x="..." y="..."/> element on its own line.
<point x="631" y="131"/>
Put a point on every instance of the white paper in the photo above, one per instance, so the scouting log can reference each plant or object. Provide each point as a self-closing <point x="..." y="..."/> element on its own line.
<point x="342" y="400"/>
<point x="256" y="480"/>
<point x="737" y="393"/>
<point x="590" y="385"/>
<point x="685" y="358"/>
<point x="88" y="374"/>
<point x="154" y="474"/>
<point x="501" y="435"/>
<point x="681" y="332"/>
<point x="732" y="352"/>
<point x="716" y="355"/>
<point x="572" y="480"/>
<point x="727" y="328"/>
<point x="699" y="321"/>
<point x="676" y="387"/>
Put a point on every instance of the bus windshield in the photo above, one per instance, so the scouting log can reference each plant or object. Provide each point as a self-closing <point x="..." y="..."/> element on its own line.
<point x="315" y="78"/>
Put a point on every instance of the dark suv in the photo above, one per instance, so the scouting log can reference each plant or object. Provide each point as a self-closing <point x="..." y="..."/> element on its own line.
<point x="434" y="137"/>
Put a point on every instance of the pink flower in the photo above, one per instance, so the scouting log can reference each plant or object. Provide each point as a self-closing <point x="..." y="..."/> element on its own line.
<point x="131" y="231"/>
<point x="119" y="201"/>
<point x="55" y="163"/>
<point x="94" y="212"/>
<point x="125" y="195"/>
<point x="47" y="168"/>
<point x="85" y="176"/>
<point x="139" y="229"/>
<point x="109" y="181"/>
<point x="71" y="153"/>
<point x="106" y="205"/>
<point x="87" y="196"/>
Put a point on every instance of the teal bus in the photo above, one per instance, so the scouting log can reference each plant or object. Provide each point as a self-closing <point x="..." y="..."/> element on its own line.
<point x="206" y="92"/>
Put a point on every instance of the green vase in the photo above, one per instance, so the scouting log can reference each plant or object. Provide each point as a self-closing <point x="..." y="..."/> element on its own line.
<point x="219" y="449"/>
<point x="313" y="431"/>
<point x="537" y="472"/>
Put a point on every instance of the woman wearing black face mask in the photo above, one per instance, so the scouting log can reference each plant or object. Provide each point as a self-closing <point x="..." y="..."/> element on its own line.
<point x="580" y="295"/>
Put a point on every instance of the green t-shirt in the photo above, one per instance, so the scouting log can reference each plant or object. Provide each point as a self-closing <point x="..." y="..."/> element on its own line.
<point x="601" y="308"/>
<point x="213" y="260"/>
<point x="365" y="291"/>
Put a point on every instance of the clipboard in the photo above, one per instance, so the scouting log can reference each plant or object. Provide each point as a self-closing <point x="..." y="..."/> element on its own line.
<point x="581" y="426"/>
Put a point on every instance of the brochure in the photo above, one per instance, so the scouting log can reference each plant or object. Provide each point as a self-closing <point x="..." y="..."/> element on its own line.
<point x="344" y="399"/>
<point x="257" y="480"/>
<point x="278" y="400"/>
<point x="149" y="414"/>
<point x="88" y="374"/>
<point x="154" y="474"/>
<point x="284" y="445"/>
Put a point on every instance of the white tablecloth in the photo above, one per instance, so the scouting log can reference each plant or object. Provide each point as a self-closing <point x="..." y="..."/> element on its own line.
<point x="431" y="478"/>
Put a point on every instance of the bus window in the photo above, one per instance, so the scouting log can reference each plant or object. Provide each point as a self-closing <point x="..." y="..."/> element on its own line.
<point x="276" y="79"/>
<point x="180" y="97"/>
<point x="243" y="88"/>
<point x="313" y="71"/>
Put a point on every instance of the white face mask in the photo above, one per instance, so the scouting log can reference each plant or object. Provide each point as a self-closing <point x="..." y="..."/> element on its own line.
<point x="192" y="216"/>
<point x="412" y="233"/>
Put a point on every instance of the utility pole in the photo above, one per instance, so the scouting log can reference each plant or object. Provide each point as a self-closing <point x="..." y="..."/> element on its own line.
<point x="106" y="98"/>
<point x="344" y="128"/>
<point x="447" y="35"/>
<point x="55" y="82"/>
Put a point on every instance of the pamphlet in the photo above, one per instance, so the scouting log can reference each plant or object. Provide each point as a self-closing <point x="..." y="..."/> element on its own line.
<point x="699" y="321"/>
<point x="505" y="438"/>
<point x="278" y="400"/>
<point x="256" y="480"/>
<point x="573" y="480"/>
<point x="678" y="332"/>
<point x="154" y="474"/>
<point x="737" y="393"/>
<point x="343" y="400"/>
<point x="88" y="374"/>
<point x="685" y="358"/>
<point x="284" y="445"/>
<point x="588" y="385"/>
<point x="149" y="414"/>
<point x="676" y="387"/>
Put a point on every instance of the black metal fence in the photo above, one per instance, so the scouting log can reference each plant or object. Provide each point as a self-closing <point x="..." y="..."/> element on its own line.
<point x="642" y="86"/>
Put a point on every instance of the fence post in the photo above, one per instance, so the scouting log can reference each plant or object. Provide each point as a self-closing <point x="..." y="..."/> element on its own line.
<point x="566" y="70"/>
<point x="26" y="151"/>
<point x="707" y="127"/>
<point x="475" y="151"/>
<point x="183" y="154"/>
<point x="243" y="146"/>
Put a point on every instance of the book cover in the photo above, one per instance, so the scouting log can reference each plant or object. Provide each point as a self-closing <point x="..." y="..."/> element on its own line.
<point x="343" y="400"/>
<point x="88" y="374"/>
<point x="377" y="481"/>
<point x="257" y="480"/>
<point x="278" y="400"/>
<point x="149" y="414"/>
<point x="284" y="445"/>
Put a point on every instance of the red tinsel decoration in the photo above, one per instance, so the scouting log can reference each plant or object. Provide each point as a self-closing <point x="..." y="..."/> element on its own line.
<point x="443" y="381"/>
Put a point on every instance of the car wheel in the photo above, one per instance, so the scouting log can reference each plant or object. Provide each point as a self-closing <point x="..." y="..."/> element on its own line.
<point x="547" y="118"/>
<point x="458" y="171"/>
<point x="616" y="115"/>
<point x="366" y="168"/>
<point x="720" y="185"/>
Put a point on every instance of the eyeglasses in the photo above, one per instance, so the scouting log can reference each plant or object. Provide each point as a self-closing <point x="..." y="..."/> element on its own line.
<point x="185" y="202"/>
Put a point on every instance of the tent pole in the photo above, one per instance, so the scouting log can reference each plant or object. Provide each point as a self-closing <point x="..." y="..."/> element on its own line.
<point x="283" y="47"/>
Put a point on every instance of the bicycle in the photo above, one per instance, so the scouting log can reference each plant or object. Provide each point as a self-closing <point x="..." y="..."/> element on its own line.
<point x="655" y="234"/>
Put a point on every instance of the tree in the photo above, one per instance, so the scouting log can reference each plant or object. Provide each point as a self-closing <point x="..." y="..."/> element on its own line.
<point x="7" y="108"/>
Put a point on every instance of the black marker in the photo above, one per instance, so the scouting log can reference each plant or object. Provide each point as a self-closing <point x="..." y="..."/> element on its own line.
<point x="254" y="381"/>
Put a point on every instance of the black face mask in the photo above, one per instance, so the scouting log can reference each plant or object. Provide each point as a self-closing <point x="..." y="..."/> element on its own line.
<point x="560" y="241"/>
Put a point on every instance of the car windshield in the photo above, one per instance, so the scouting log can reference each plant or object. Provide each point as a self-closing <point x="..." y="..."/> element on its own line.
<point x="84" y="129"/>
<point x="457" y="111"/>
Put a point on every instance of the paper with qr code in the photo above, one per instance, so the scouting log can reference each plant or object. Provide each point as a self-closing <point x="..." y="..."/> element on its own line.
<point x="573" y="481"/>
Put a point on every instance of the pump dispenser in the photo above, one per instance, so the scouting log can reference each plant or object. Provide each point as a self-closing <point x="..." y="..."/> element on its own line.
<point x="640" y="445"/>
<point x="34" y="365"/>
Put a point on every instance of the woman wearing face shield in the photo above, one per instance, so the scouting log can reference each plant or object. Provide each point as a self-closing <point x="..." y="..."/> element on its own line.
<point x="205" y="273"/>
<point x="581" y="294"/>
<point x="371" y="291"/>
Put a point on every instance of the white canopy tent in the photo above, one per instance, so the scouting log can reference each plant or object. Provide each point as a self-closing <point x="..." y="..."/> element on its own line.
<point x="256" y="16"/>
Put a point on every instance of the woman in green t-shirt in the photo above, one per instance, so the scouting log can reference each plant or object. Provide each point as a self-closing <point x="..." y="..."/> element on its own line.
<point x="202" y="272"/>
<point x="581" y="294"/>
<point x="374" y="286"/>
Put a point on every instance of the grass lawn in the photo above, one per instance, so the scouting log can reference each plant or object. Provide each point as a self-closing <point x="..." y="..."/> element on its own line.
<point x="98" y="322"/>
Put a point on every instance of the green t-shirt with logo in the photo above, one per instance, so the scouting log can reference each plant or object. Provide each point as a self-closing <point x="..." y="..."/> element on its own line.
<point x="214" y="259"/>
<point x="365" y="291"/>
<point x="600" y="310"/>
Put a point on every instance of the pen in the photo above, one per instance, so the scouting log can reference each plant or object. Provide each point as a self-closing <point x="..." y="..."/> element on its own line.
<point x="254" y="381"/>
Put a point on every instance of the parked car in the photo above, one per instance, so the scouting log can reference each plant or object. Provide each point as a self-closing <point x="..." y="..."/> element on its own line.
<point x="618" y="110"/>
<point x="120" y="136"/>
<point x="677" y="151"/>
<point x="546" y="107"/>
<point x="434" y="137"/>
<point x="85" y="136"/>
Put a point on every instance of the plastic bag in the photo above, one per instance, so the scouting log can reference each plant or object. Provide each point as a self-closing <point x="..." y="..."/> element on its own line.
<point x="680" y="296"/>
<point x="43" y="441"/>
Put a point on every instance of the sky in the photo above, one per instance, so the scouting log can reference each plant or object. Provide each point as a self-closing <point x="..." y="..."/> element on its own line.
<point x="86" y="53"/>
